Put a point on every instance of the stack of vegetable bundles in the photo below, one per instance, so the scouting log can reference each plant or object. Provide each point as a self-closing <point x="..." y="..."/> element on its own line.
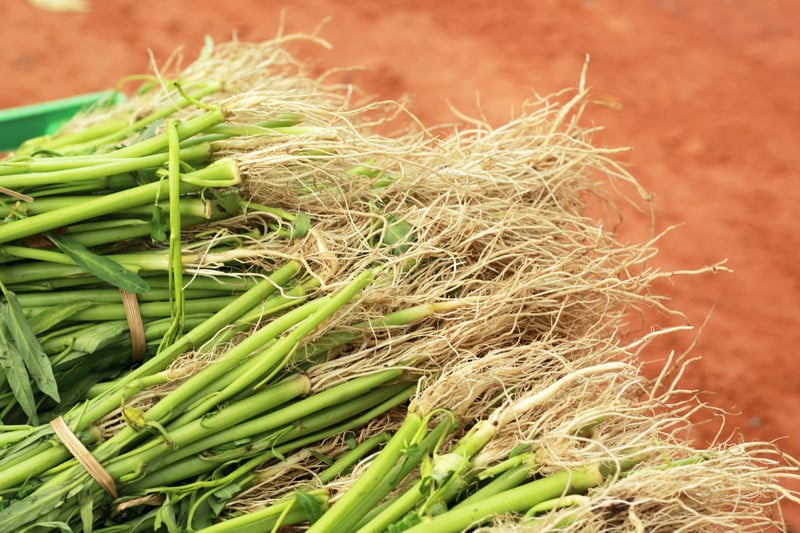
<point x="234" y="302"/>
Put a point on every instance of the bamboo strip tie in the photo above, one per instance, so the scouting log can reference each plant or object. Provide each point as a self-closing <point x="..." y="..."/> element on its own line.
<point x="135" y="325"/>
<point x="153" y="499"/>
<point x="82" y="455"/>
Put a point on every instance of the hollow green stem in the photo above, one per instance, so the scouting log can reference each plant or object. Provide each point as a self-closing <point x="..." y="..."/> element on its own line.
<point x="318" y="351"/>
<point x="235" y="422"/>
<point x="51" y="264"/>
<point x="120" y="233"/>
<point x="341" y="516"/>
<point x="283" y="513"/>
<point x="175" y="265"/>
<point x="216" y="428"/>
<point x="349" y="459"/>
<point x="394" y="510"/>
<point x="103" y="312"/>
<point x="516" y="500"/>
<point x="58" y="166"/>
<point x="189" y="206"/>
<point x="44" y="455"/>
<point x="83" y="135"/>
<point x="97" y="142"/>
<point x="159" y="142"/>
<point x="200" y="152"/>
<point x="507" y="480"/>
<point x="262" y="366"/>
<point x="313" y="428"/>
<point x="269" y="127"/>
<point x="222" y="173"/>
<point x="381" y="517"/>
<point x="116" y="182"/>
<point x="35" y="254"/>
<point x="201" y="385"/>
<point x="111" y="296"/>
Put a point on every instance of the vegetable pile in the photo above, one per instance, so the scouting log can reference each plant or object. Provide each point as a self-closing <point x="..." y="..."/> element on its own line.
<point x="234" y="302"/>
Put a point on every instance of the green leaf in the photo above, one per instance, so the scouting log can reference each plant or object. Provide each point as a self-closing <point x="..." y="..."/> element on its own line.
<point x="46" y="319"/>
<point x="14" y="369"/>
<point x="102" y="267"/>
<point x="98" y="336"/>
<point x="23" y="513"/>
<point x="66" y="361"/>
<point x="28" y="346"/>
<point x="300" y="225"/>
<point x="19" y="450"/>
<point x="410" y="520"/>
<point x="322" y="457"/>
<point x="520" y="448"/>
<point x="149" y="131"/>
<point x="166" y="517"/>
<point x="50" y="526"/>
<point x="397" y="233"/>
<point x="86" y="503"/>
<point x="29" y="487"/>
<point x="227" y="202"/>
<point x="158" y="231"/>
<point x="222" y="496"/>
<point x="310" y="505"/>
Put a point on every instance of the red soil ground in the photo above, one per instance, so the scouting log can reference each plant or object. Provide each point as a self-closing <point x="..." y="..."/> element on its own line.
<point x="705" y="93"/>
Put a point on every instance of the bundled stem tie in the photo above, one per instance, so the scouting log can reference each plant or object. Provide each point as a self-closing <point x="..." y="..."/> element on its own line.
<point x="152" y="499"/>
<point x="135" y="325"/>
<point x="83" y="456"/>
<point x="14" y="194"/>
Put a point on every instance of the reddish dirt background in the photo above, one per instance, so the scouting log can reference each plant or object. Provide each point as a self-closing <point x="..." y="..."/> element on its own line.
<point x="705" y="93"/>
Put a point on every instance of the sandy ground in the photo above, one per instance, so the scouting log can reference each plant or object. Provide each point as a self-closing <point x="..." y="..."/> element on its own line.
<point x="705" y="94"/>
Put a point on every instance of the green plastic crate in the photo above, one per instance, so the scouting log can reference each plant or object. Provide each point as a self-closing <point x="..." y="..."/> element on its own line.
<point x="18" y="124"/>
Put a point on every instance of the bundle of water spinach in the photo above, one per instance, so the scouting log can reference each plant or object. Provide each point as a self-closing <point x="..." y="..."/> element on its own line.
<point x="230" y="303"/>
<point x="144" y="294"/>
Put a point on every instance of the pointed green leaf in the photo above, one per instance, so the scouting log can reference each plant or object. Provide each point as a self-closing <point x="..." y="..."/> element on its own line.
<point x="300" y="225"/>
<point x="149" y="131"/>
<point x="166" y="517"/>
<point x="51" y="526"/>
<point x="86" y="504"/>
<point x="97" y="336"/>
<point x="221" y="497"/>
<point x="322" y="458"/>
<point x="310" y="505"/>
<point x="14" y="369"/>
<point x="102" y="267"/>
<point x="399" y="234"/>
<point x="36" y="361"/>
<point x="158" y="231"/>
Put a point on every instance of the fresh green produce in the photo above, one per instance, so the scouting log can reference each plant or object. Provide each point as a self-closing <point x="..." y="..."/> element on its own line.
<point x="255" y="308"/>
